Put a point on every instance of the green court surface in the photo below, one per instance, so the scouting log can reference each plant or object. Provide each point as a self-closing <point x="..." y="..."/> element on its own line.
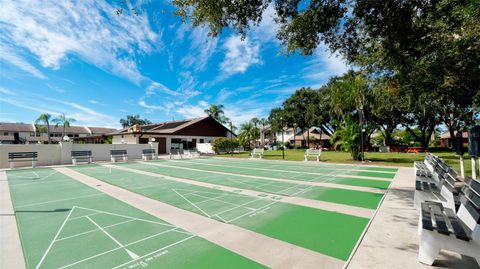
<point x="357" y="170"/>
<point x="333" y="234"/>
<point x="65" y="224"/>
<point x="334" y="195"/>
<point x="273" y="173"/>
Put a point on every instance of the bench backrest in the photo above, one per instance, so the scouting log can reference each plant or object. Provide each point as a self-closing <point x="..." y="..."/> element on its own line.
<point x="258" y="151"/>
<point x="118" y="152"/>
<point x="148" y="151"/>
<point x="81" y="153"/>
<point x="176" y="151"/>
<point x="314" y="152"/>
<point x="22" y="155"/>
<point x="469" y="211"/>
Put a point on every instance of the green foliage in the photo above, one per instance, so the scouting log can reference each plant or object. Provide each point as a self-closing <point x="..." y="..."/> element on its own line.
<point x="216" y="112"/>
<point x="64" y="121"/>
<point x="44" y="118"/>
<point x="224" y="144"/>
<point x="248" y="134"/>
<point x="131" y="120"/>
<point x="348" y="138"/>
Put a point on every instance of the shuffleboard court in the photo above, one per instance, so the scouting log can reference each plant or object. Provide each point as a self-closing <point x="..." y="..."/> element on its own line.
<point x="271" y="173"/>
<point x="65" y="224"/>
<point x="330" y="233"/>
<point x="354" y="170"/>
<point x="340" y="196"/>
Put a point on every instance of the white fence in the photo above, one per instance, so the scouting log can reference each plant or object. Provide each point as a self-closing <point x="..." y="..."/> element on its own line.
<point x="55" y="154"/>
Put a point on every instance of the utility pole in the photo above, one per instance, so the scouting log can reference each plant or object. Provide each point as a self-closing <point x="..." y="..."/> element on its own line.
<point x="283" y="141"/>
<point x="231" y="138"/>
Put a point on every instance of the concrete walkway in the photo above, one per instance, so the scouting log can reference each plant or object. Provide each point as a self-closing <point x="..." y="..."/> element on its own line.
<point x="11" y="252"/>
<point x="391" y="241"/>
<point x="345" y="209"/>
<point x="263" y="249"/>
<point x="297" y="182"/>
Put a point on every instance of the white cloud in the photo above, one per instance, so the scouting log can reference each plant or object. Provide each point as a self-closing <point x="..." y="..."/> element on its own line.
<point x="202" y="48"/>
<point x="240" y="55"/>
<point x="223" y="95"/>
<point x="7" y="55"/>
<point x="193" y="111"/>
<point x="6" y="92"/>
<point x="53" y="30"/>
<point x="324" y="65"/>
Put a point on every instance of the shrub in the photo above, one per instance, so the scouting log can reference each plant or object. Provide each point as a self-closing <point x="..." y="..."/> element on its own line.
<point x="224" y="144"/>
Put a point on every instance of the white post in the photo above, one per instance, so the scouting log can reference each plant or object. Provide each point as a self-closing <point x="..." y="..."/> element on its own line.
<point x="474" y="168"/>
<point x="462" y="167"/>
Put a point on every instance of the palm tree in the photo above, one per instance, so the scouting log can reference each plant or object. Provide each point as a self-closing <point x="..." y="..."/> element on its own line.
<point x="216" y="112"/>
<point x="64" y="121"/>
<point x="45" y="118"/>
<point x="263" y="123"/>
<point x="248" y="134"/>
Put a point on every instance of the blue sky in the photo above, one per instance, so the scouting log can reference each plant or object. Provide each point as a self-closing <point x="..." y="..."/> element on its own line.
<point x="81" y="59"/>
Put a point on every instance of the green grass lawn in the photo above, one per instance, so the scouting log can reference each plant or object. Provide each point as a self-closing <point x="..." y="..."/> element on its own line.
<point x="373" y="158"/>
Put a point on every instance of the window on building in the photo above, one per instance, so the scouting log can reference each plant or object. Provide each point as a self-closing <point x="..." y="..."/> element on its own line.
<point x="6" y="133"/>
<point x="202" y="140"/>
<point x="176" y="143"/>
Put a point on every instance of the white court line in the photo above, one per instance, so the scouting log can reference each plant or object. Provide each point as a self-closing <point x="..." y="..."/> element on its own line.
<point x="249" y="213"/>
<point x="210" y="199"/>
<point x="35" y="174"/>
<point x="91" y="231"/>
<point x="117" y="248"/>
<point x="105" y="232"/>
<point x="39" y="182"/>
<point x="60" y="200"/>
<point x="79" y="217"/>
<point x="127" y="217"/>
<point x="54" y="239"/>
<point x="242" y="205"/>
<point x="163" y="248"/>
<point x="192" y="203"/>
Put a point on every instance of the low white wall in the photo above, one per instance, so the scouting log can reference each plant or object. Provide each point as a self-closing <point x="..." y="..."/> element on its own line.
<point x="61" y="153"/>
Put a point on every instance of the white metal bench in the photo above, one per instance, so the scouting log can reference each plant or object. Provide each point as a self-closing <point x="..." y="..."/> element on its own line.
<point x="442" y="191"/>
<point x="176" y="153"/>
<point x="315" y="153"/>
<point x="193" y="153"/>
<point x="21" y="157"/>
<point x="442" y="228"/>
<point x="148" y="153"/>
<point x="118" y="153"/>
<point x="81" y="155"/>
<point x="257" y="152"/>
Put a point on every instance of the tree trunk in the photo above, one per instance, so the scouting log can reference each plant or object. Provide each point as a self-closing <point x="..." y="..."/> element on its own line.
<point x="308" y="137"/>
<point x="452" y="137"/>
<point x="48" y="133"/>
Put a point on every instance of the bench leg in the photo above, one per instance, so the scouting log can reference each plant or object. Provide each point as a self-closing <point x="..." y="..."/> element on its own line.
<point x="112" y="159"/>
<point x="428" y="250"/>
<point x="12" y="165"/>
<point x="125" y="158"/>
<point x="34" y="164"/>
<point x="74" y="161"/>
<point x="90" y="160"/>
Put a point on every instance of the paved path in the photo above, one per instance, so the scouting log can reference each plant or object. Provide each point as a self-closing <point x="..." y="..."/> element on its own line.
<point x="345" y="209"/>
<point x="297" y="182"/>
<point x="391" y="240"/>
<point x="263" y="249"/>
<point x="11" y="252"/>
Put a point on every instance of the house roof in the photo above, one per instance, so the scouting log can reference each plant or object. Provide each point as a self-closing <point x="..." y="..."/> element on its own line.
<point x="314" y="134"/>
<point x="16" y="127"/>
<point x="168" y="127"/>
<point x="23" y="127"/>
<point x="446" y="135"/>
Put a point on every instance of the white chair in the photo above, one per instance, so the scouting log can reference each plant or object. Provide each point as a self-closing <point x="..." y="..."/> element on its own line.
<point x="257" y="152"/>
<point x="315" y="153"/>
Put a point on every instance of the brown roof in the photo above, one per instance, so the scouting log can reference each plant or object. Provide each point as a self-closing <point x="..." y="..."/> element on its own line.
<point x="314" y="134"/>
<point x="16" y="127"/>
<point x="168" y="127"/>
<point x="447" y="135"/>
<point x="101" y="130"/>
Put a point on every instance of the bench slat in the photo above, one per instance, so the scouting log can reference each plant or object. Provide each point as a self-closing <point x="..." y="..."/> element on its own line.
<point x="440" y="219"/>
<point x="458" y="229"/>
<point x="22" y="155"/>
<point x="425" y="185"/>
<point x="426" y="217"/>
<point x="418" y="185"/>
